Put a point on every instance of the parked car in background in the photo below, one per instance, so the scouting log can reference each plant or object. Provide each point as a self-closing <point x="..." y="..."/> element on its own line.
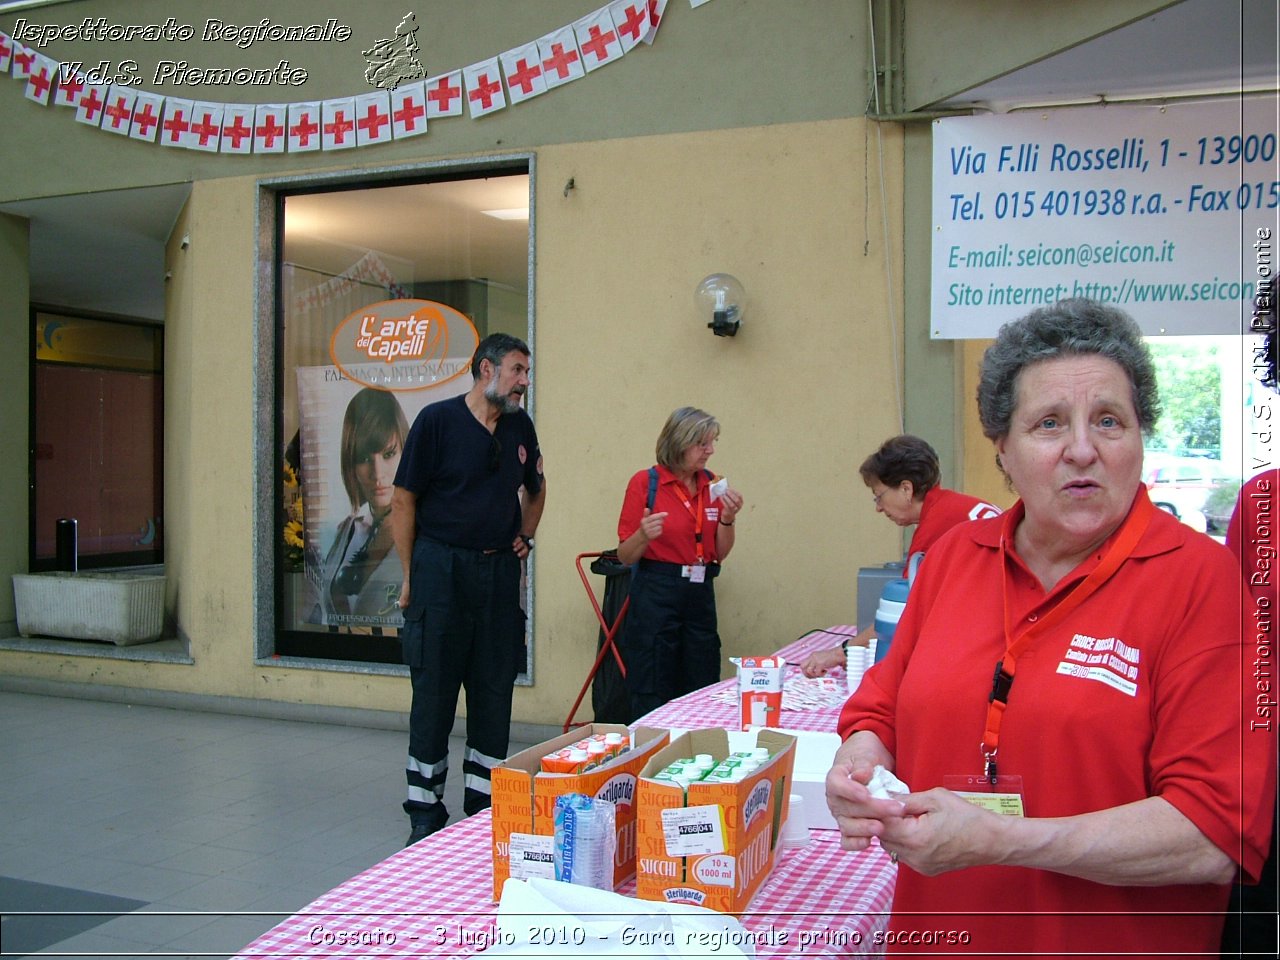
<point x="1183" y="487"/>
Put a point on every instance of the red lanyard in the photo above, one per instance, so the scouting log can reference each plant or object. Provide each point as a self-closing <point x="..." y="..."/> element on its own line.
<point x="682" y="493"/>
<point x="1130" y="533"/>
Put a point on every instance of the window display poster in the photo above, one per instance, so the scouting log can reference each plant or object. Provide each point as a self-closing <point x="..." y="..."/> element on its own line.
<point x="1167" y="211"/>
<point x="351" y="439"/>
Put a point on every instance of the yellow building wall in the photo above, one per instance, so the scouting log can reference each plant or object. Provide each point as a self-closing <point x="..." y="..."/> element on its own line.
<point x="802" y="393"/>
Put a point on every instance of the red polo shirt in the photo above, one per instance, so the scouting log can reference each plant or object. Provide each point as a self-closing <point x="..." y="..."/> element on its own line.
<point x="677" y="543"/>
<point x="1144" y="690"/>
<point x="941" y="510"/>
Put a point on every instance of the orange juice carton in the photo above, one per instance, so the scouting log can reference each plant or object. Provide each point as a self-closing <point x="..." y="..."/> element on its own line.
<point x="712" y="842"/>
<point x="525" y="792"/>
<point x="760" y="689"/>
<point x="565" y="760"/>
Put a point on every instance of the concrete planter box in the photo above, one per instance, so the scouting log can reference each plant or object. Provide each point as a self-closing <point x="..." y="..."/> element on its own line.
<point x="122" y="607"/>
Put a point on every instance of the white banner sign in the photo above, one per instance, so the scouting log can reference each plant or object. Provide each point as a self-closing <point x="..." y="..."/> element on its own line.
<point x="1169" y="212"/>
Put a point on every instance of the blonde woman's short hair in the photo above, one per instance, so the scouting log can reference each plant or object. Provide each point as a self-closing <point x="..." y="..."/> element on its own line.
<point x="685" y="428"/>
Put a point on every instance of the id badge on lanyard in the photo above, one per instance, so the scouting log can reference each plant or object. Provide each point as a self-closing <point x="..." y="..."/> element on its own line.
<point x="1004" y="796"/>
<point x="1002" y="793"/>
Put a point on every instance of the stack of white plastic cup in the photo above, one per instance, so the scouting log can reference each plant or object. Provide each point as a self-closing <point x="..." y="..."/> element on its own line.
<point x="858" y="660"/>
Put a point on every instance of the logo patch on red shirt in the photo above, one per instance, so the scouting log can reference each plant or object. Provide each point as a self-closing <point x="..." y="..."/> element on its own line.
<point x="1107" y="660"/>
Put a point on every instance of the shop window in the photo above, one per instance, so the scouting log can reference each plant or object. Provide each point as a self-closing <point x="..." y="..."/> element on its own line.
<point x="383" y="291"/>
<point x="97" y="439"/>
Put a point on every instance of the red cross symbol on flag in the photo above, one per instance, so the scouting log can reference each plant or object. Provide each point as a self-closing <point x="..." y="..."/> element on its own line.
<point x="206" y="127"/>
<point x="561" y="61"/>
<point x="6" y="52"/>
<point x="118" y="113"/>
<point x="373" y="118"/>
<point x="409" y="110"/>
<point x="484" y="88"/>
<point x="597" y="39"/>
<point x="237" y="128"/>
<point x="444" y="95"/>
<point x="23" y="60"/>
<point x="41" y="80"/>
<point x="656" y="9"/>
<point x="89" y="106"/>
<point x="146" y="117"/>
<point x="338" y="131"/>
<point x="70" y="86"/>
<point x="523" y="69"/>
<point x="631" y="20"/>
<point x="269" y="128"/>
<point x="304" y="128"/>
<point x="176" y="125"/>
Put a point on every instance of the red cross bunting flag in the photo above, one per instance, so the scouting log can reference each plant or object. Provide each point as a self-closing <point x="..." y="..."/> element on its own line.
<point x="631" y="20"/>
<point x="597" y="39"/>
<point x="338" y="124"/>
<point x="484" y="88"/>
<point x="117" y="115"/>
<point x="237" y="128"/>
<point x="269" y="123"/>
<point x="444" y="95"/>
<point x="523" y="69"/>
<point x="656" y="9"/>
<point x="304" y="126"/>
<point x="147" y="111"/>
<point x="409" y="110"/>
<point x="23" y="59"/>
<point x="363" y="119"/>
<point x="373" y="118"/>
<point x="561" y="61"/>
<point x="70" y="86"/>
<point x="176" y="123"/>
<point x="44" y="74"/>
<point x="92" y="99"/>
<point x="206" y="126"/>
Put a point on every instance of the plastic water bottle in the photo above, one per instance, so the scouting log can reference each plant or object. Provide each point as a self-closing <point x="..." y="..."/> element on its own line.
<point x="893" y="599"/>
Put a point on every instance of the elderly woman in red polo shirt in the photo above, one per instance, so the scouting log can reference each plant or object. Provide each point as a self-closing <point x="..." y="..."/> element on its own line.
<point x="1067" y="698"/>
<point x="676" y="528"/>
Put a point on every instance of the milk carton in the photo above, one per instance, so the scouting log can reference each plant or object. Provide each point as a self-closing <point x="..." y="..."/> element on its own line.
<point x="760" y="689"/>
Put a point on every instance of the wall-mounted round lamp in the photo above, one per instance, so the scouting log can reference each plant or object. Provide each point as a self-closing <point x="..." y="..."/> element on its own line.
<point x="721" y="301"/>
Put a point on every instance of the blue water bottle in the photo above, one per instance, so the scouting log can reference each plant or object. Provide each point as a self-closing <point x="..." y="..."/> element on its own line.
<point x="893" y="599"/>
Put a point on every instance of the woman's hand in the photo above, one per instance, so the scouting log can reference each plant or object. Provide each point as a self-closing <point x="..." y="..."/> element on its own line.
<point x="816" y="664"/>
<point x="651" y="524"/>
<point x="859" y="815"/>
<point x="730" y="504"/>
<point x="940" y="832"/>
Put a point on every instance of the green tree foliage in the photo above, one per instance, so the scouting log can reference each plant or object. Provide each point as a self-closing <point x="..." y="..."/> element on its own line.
<point x="1190" y="394"/>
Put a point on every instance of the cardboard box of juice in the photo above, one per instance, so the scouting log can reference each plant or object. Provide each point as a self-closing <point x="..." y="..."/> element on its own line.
<point x="711" y="844"/>
<point x="524" y="796"/>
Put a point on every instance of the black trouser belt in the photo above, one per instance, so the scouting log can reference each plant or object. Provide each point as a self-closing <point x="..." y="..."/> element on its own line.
<point x="676" y="569"/>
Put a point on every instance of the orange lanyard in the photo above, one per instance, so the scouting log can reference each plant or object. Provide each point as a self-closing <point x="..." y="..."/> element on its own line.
<point x="1130" y="533"/>
<point x="697" y="517"/>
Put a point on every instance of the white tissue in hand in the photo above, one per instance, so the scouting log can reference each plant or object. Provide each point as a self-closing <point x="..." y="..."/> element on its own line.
<point x="718" y="488"/>
<point x="883" y="783"/>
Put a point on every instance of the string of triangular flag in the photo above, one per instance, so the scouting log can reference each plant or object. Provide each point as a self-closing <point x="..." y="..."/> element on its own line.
<point x="396" y="112"/>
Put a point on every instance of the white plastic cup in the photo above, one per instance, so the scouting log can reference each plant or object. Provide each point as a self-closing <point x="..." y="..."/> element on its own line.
<point x="795" y="832"/>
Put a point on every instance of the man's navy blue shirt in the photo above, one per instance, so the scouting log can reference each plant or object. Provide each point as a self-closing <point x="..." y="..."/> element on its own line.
<point x="466" y="479"/>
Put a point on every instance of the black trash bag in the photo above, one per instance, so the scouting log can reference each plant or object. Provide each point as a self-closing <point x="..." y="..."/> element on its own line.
<point x="609" y="699"/>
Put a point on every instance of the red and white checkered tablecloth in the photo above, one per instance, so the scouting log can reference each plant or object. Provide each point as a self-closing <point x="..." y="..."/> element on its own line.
<point x="705" y="708"/>
<point x="435" y="897"/>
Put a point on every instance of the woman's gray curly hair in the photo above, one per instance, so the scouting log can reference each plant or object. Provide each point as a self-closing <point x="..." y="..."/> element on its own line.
<point x="1072" y="327"/>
